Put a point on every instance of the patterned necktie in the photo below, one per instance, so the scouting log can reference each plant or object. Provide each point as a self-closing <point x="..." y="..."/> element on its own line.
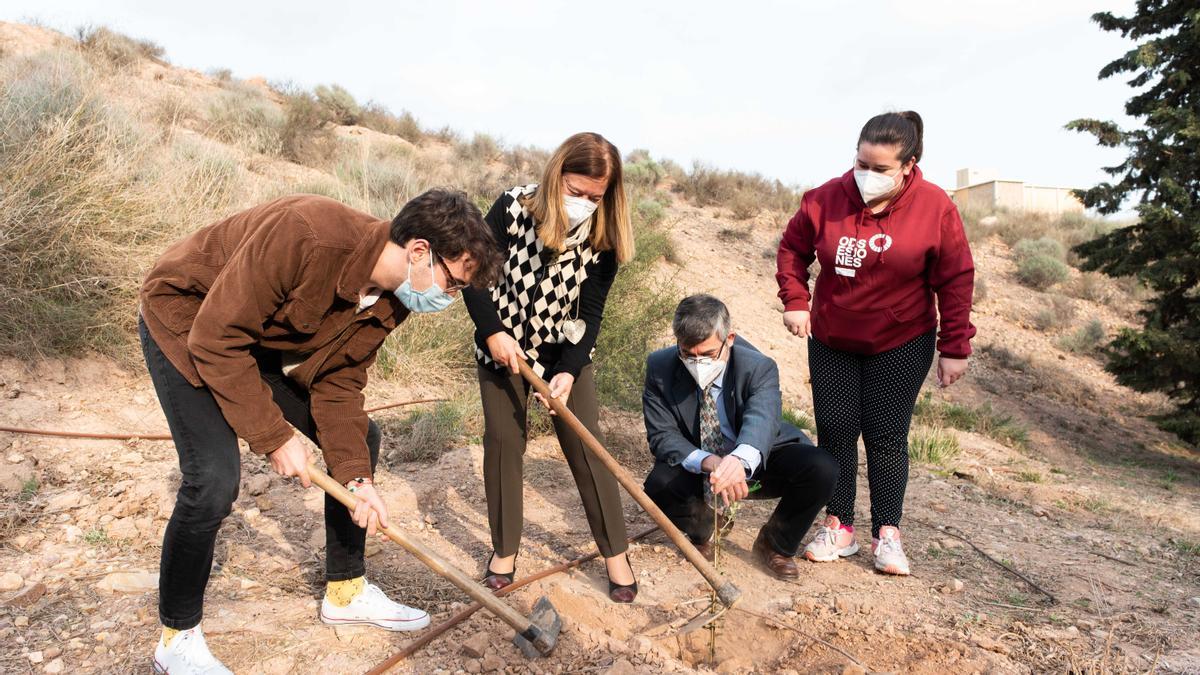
<point x="711" y="438"/>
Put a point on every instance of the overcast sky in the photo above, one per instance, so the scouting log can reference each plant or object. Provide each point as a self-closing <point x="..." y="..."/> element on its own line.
<point x="781" y="88"/>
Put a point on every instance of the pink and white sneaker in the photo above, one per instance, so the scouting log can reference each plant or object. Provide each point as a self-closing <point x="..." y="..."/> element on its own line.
<point x="833" y="541"/>
<point x="889" y="554"/>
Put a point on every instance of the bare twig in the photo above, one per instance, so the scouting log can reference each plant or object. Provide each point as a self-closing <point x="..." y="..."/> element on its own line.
<point x="1023" y="609"/>
<point x="1007" y="568"/>
<point x="1113" y="558"/>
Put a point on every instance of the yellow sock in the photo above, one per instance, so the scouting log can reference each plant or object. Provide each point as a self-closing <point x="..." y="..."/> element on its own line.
<point x="340" y="593"/>
<point x="168" y="635"/>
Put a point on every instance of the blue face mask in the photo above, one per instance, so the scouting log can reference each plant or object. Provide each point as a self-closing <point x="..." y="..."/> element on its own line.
<point x="432" y="299"/>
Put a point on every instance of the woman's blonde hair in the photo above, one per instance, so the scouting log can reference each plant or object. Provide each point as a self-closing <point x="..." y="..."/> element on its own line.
<point x="588" y="154"/>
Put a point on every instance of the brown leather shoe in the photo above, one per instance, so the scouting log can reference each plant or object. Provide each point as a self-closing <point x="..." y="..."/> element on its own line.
<point x="782" y="566"/>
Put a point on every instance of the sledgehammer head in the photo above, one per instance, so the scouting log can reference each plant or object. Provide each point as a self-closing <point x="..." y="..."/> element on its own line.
<point x="542" y="635"/>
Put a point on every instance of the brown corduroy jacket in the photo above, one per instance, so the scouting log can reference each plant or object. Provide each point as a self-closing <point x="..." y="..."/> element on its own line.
<point x="285" y="276"/>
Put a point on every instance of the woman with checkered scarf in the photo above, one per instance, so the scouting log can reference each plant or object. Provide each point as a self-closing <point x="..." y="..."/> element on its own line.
<point x="563" y="239"/>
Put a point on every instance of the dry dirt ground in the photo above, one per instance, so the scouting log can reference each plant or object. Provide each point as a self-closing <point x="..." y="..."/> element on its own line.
<point x="1101" y="511"/>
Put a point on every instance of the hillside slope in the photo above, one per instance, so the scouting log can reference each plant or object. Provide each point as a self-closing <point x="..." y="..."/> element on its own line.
<point x="1059" y="474"/>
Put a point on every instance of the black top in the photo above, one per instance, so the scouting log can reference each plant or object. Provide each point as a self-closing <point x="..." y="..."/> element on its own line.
<point x="539" y="291"/>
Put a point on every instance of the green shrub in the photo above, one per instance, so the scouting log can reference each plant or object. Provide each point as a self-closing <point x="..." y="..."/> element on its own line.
<point x="1005" y="358"/>
<point x="799" y="419"/>
<point x="636" y="317"/>
<point x="650" y="212"/>
<point x="640" y="170"/>
<point x="744" y="205"/>
<point x="375" y="116"/>
<point x="115" y="49"/>
<point x="1041" y="271"/>
<point x="422" y="435"/>
<point x="979" y="293"/>
<point x="306" y="137"/>
<point x="932" y="445"/>
<point x="982" y="419"/>
<point x="248" y="119"/>
<point x="1046" y="246"/>
<point x="481" y="148"/>
<point x="70" y="213"/>
<point x="1059" y="314"/>
<point x="707" y="186"/>
<point x="1086" y="340"/>
<point x="339" y="104"/>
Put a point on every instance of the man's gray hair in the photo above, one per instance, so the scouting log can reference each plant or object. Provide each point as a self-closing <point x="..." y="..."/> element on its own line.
<point x="699" y="316"/>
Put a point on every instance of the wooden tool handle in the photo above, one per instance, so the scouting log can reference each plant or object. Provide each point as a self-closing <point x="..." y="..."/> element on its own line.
<point x="434" y="561"/>
<point x="727" y="593"/>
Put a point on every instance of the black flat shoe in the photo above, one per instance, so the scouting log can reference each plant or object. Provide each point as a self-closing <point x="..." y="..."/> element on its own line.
<point x="498" y="580"/>
<point x="623" y="593"/>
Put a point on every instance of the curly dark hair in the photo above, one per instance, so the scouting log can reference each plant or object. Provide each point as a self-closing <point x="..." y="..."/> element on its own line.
<point x="452" y="225"/>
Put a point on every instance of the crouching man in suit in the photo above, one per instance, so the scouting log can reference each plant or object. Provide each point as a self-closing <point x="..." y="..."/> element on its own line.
<point x="712" y="407"/>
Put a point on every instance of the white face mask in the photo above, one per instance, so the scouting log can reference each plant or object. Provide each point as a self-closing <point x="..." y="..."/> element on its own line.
<point x="703" y="369"/>
<point x="578" y="209"/>
<point x="872" y="185"/>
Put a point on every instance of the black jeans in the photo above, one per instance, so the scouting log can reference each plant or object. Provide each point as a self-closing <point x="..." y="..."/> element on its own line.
<point x="800" y="475"/>
<point x="211" y="467"/>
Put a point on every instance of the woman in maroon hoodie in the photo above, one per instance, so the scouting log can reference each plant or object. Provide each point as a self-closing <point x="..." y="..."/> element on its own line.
<point x="889" y="242"/>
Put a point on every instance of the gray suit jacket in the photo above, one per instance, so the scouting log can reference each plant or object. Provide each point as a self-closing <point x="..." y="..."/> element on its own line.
<point x="671" y="404"/>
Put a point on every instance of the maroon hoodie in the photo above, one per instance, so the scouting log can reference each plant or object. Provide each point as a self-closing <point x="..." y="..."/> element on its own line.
<point x="880" y="271"/>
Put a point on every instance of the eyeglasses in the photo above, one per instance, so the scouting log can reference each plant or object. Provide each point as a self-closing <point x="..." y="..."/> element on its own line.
<point x="452" y="284"/>
<point x="700" y="358"/>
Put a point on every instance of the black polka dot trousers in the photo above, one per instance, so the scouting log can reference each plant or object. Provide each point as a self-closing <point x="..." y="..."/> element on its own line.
<point x="873" y="397"/>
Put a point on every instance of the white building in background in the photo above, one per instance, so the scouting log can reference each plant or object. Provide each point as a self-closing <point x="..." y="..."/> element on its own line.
<point x="982" y="190"/>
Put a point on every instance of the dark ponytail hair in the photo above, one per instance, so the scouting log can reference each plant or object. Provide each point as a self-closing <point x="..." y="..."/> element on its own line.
<point x="902" y="129"/>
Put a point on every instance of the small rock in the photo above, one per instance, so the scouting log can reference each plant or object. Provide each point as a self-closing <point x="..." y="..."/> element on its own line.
<point x="16" y="458"/>
<point x="258" y="484"/>
<point x="372" y="547"/>
<point x="472" y="666"/>
<point x="27" y="596"/>
<point x="129" y="582"/>
<point x="621" y="666"/>
<point x="55" y="666"/>
<point x="954" y="586"/>
<point x="1040" y="511"/>
<point x="122" y="528"/>
<point x="53" y="652"/>
<point x="990" y="645"/>
<point x="263" y="502"/>
<point x="989" y="221"/>
<point x="21" y="621"/>
<point x="476" y="645"/>
<point x="1194" y="602"/>
<point x="641" y="644"/>
<point x="842" y="605"/>
<point x="853" y="669"/>
<point x="951" y="543"/>
<point x="492" y="663"/>
<point x="35" y="657"/>
<point x="64" y="500"/>
<point x="278" y="665"/>
<point x="939" y="507"/>
<point x="11" y="581"/>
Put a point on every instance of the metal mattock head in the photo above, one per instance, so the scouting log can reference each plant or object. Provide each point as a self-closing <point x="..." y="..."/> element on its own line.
<point x="542" y="635"/>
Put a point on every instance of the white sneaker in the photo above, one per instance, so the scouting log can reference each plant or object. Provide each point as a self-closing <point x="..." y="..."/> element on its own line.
<point x="889" y="554"/>
<point x="187" y="655"/>
<point x="374" y="608"/>
<point x="832" y="542"/>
